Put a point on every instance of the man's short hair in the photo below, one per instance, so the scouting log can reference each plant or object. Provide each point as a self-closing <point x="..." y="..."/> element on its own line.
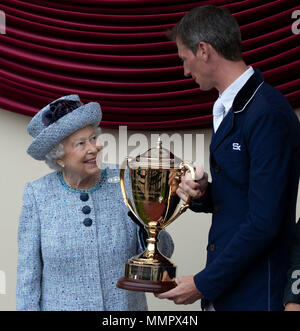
<point x="211" y="24"/>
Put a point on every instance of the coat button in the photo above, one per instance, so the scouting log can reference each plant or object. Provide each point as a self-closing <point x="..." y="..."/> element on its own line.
<point x="86" y="209"/>
<point x="217" y="169"/>
<point x="84" y="197"/>
<point x="87" y="222"/>
<point x="212" y="247"/>
<point x="217" y="208"/>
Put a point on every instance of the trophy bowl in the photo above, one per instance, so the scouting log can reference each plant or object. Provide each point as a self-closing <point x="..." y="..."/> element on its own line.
<point x="154" y="177"/>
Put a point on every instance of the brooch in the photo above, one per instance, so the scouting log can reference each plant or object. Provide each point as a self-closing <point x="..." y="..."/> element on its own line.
<point x="113" y="180"/>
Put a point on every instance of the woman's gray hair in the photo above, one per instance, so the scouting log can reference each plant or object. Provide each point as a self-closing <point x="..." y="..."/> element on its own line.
<point x="213" y="25"/>
<point x="58" y="152"/>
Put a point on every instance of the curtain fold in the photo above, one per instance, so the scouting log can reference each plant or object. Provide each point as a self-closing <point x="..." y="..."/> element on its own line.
<point x="116" y="52"/>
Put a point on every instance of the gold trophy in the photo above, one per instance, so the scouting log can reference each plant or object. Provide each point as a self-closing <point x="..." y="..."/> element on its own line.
<point x="154" y="178"/>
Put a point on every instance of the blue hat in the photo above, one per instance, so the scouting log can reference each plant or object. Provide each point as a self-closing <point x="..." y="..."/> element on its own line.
<point x="48" y="129"/>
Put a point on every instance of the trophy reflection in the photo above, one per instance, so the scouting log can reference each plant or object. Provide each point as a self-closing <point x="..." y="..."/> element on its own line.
<point x="154" y="177"/>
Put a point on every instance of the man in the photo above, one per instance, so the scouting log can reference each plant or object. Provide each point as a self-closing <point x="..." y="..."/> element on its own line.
<point x="254" y="163"/>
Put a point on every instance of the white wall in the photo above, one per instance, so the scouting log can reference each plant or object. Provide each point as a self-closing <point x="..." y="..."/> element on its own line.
<point x="16" y="168"/>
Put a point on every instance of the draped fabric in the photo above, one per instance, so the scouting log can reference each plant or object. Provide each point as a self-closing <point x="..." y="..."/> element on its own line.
<point x="116" y="52"/>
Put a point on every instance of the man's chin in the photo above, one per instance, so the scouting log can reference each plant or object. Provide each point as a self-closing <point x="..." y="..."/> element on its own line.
<point x="204" y="87"/>
<point x="201" y="86"/>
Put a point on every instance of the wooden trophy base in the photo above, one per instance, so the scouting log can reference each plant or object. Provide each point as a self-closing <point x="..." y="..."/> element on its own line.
<point x="145" y="285"/>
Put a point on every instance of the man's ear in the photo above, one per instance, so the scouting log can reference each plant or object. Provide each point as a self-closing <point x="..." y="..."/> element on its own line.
<point x="203" y="51"/>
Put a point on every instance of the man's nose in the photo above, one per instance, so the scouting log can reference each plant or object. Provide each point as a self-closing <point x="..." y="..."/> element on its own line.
<point x="187" y="72"/>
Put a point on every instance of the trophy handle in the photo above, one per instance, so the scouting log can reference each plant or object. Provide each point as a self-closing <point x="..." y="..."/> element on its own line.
<point x="185" y="206"/>
<point x="127" y="201"/>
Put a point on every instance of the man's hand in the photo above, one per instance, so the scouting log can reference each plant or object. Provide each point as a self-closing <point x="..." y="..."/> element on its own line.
<point x="189" y="187"/>
<point x="292" y="307"/>
<point x="184" y="293"/>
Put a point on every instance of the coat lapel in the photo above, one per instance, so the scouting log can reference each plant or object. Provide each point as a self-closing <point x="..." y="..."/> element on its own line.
<point x="223" y="130"/>
<point x="240" y="102"/>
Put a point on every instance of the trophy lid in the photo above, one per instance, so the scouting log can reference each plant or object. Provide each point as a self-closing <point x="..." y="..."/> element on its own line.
<point x="156" y="158"/>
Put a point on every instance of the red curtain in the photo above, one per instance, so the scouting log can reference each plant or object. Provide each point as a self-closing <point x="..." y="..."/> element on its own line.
<point x="116" y="52"/>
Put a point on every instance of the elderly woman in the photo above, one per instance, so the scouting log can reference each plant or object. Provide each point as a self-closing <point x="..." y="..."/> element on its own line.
<point x="74" y="232"/>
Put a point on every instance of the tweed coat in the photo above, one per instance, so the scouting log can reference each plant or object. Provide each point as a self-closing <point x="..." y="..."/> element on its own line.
<point x="73" y="245"/>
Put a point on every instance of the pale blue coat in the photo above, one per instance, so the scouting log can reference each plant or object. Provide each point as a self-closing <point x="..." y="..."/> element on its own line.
<point x="64" y="264"/>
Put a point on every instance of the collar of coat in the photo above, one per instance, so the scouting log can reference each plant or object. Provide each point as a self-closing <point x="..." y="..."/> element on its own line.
<point x="247" y="92"/>
<point x="242" y="99"/>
